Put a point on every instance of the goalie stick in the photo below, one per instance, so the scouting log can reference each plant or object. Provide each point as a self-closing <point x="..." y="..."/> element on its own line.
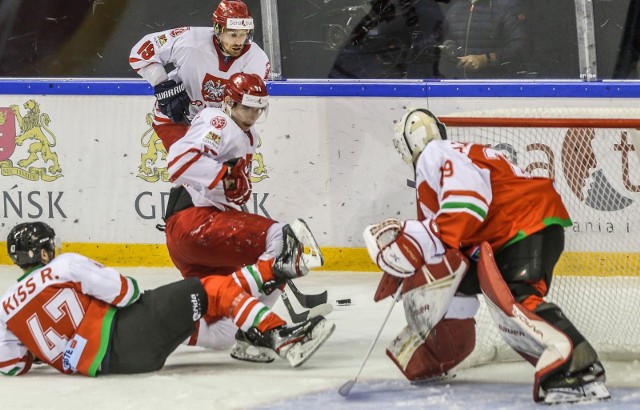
<point x="320" y="310"/>
<point x="307" y="301"/>
<point x="346" y="388"/>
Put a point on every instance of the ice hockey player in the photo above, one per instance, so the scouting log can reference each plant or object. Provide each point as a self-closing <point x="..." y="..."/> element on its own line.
<point x="78" y="316"/>
<point x="474" y="203"/>
<point x="207" y="232"/>
<point x="203" y="59"/>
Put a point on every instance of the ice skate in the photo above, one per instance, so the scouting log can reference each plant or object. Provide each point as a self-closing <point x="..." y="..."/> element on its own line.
<point x="245" y="350"/>
<point x="293" y="262"/>
<point x="586" y="385"/>
<point x="296" y="343"/>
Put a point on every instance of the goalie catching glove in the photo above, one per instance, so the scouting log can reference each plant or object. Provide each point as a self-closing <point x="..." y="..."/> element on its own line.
<point x="173" y="100"/>
<point x="237" y="182"/>
<point x="400" y="249"/>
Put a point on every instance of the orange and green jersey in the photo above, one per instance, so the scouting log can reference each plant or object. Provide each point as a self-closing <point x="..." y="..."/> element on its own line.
<point x="61" y="313"/>
<point x="476" y="194"/>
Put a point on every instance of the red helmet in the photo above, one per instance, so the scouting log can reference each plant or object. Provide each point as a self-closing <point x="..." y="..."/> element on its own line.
<point x="232" y="15"/>
<point x="248" y="90"/>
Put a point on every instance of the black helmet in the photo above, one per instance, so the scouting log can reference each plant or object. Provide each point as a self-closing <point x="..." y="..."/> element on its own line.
<point x="25" y="241"/>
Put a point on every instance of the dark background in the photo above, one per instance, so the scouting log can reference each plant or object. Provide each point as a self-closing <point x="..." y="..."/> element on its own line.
<point x="92" y="38"/>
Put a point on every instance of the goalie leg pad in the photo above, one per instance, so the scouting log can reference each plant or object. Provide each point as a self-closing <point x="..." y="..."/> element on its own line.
<point x="427" y="295"/>
<point x="448" y="344"/>
<point x="534" y="338"/>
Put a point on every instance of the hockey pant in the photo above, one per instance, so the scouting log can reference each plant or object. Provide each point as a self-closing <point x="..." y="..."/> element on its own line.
<point x="544" y="336"/>
<point x="204" y="241"/>
<point x="169" y="132"/>
<point x="145" y="333"/>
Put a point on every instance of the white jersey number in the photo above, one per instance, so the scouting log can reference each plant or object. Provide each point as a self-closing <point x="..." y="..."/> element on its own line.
<point x="63" y="304"/>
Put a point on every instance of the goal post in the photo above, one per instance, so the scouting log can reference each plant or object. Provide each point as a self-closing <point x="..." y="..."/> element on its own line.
<point x="593" y="155"/>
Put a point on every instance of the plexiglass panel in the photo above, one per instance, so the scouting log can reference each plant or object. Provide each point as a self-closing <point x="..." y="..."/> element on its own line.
<point x="350" y="39"/>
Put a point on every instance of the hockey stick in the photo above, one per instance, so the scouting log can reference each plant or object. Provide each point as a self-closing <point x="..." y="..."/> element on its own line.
<point x="346" y="388"/>
<point x="307" y="301"/>
<point x="320" y="310"/>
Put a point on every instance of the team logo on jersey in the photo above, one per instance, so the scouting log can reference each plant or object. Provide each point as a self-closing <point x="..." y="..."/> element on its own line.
<point x="153" y="165"/>
<point x="36" y="159"/>
<point x="177" y="31"/>
<point x="213" y="88"/>
<point x="589" y="179"/>
<point x="160" y="40"/>
<point x="219" y="122"/>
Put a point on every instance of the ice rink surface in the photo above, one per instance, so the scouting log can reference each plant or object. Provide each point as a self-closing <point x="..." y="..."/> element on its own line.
<point x="195" y="378"/>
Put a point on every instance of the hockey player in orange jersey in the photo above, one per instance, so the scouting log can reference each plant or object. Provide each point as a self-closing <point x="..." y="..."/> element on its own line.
<point x="479" y="210"/>
<point x="203" y="59"/>
<point x="78" y="316"/>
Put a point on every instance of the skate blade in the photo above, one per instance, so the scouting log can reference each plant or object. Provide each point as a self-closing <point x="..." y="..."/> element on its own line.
<point x="299" y="353"/>
<point x="248" y="353"/>
<point x="591" y="392"/>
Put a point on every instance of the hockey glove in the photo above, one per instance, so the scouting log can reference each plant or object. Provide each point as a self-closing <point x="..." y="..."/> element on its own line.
<point x="173" y="100"/>
<point x="393" y="250"/>
<point x="237" y="182"/>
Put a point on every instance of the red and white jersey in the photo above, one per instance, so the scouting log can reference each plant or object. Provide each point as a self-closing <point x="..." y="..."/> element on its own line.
<point x="61" y="313"/>
<point x="476" y="194"/>
<point x="199" y="63"/>
<point x="198" y="159"/>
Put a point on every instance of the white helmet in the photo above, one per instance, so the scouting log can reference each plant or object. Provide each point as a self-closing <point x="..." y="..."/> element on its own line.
<point x="415" y="130"/>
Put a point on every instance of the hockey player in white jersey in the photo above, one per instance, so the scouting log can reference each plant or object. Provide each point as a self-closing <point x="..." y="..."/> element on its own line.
<point x="78" y="316"/>
<point x="484" y="226"/>
<point x="208" y="234"/>
<point x="204" y="58"/>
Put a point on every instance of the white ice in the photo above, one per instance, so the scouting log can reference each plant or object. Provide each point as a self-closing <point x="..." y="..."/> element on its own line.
<point x="195" y="378"/>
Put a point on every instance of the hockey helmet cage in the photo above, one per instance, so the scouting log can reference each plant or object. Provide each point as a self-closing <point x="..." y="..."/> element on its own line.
<point x="248" y="90"/>
<point x="415" y="130"/>
<point x="25" y="241"/>
<point x="232" y="15"/>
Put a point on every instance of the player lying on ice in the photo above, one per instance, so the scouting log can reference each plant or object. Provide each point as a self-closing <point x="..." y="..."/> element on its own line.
<point x="484" y="226"/>
<point x="78" y="316"/>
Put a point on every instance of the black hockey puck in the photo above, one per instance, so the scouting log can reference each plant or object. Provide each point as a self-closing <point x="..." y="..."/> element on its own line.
<point x="343" y="302"/>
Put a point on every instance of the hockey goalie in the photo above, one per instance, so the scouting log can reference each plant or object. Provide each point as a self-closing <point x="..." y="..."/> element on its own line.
<point x="484" y="226"/>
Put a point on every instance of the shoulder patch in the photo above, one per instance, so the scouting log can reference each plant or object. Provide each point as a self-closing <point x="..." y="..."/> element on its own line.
<point x="160" y="40"/>
<point x="218" y="122"/>
<point x="212" y="140"/>
<point x="177" y="31"/>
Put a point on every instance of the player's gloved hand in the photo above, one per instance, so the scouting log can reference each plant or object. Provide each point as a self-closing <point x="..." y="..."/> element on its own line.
<point x="237" y="183"/>
<point x="393" y="250"/>
<point x="173" y="100"/>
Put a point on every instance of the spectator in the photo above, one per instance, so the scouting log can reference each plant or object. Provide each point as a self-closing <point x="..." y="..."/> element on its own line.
<point x="396" y="39"/>
<point x="486" y="39"/>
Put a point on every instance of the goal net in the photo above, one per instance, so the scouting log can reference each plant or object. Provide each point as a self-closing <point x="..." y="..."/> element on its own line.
<point x="592" y="156"/>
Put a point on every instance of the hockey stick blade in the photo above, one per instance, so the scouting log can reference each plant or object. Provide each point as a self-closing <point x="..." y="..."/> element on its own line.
<point x="346" y="388"/>
<point x="307" y="301"/>
<point x="295" y="317"/>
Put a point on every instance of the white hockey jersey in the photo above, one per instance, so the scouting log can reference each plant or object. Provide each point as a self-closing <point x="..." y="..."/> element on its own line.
<point x="199" y="63"/>
<point x="198" y="159"/>
<point x="61" y="313"/>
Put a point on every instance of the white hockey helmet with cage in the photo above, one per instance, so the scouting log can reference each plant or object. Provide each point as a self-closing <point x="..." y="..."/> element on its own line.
<point x="415" y="130"/>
